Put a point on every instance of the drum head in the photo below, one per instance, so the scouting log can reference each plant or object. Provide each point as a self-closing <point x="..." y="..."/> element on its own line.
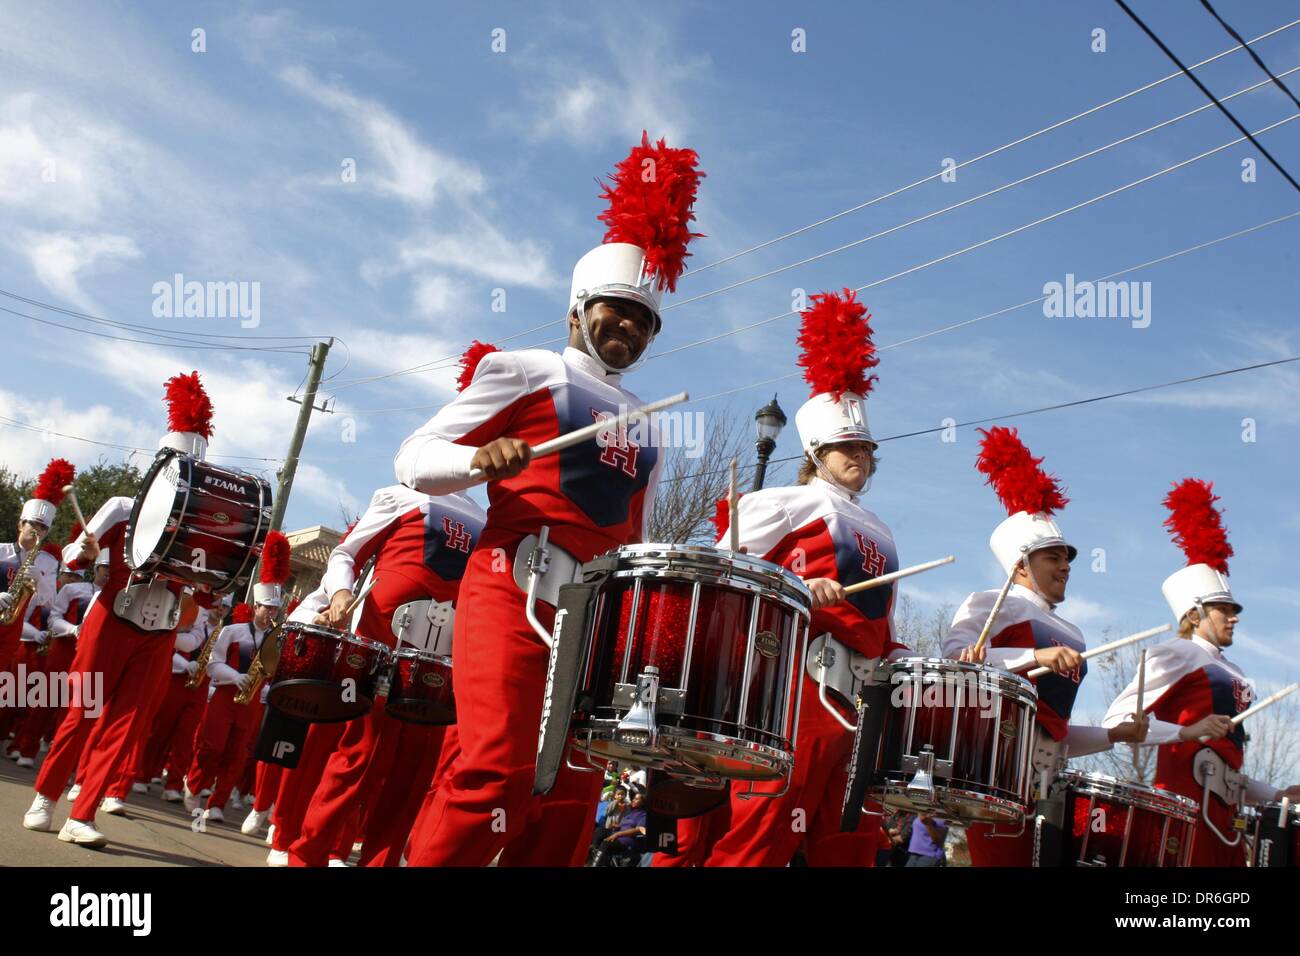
<point x="152" y="513"/>
<point x="673" y="797"/>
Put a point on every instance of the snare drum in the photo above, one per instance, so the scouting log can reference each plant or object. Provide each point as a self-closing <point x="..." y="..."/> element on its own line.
<point x="1118" y="824"/>
<point x="197" y="522"/>
<point x="692" y="663"/>
<point x="1276" y="830"/>
<point x="421" y="692"/>
<point x="315" y="663"/>
<point x="956" y="741"/>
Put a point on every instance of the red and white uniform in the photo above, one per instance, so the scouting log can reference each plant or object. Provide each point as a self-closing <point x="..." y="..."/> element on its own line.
<point x="820" y="531"/>
<point x="421" y="545"/>
<point x="64" y="614"/>
<point x="1188" y="679"/>
<point x="221" y="743"/>
<point x="169" y="746"/>
<point x="133" y="664"/>
<point x="45" y="569"/>
<point x="594" y="497"/>
<point x="1025" y="624"/>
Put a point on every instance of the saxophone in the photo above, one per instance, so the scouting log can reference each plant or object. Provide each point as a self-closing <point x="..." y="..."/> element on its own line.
<point x="21" y="589"/>
<point x="263" y="665"/>
<point x="205" y="655"/>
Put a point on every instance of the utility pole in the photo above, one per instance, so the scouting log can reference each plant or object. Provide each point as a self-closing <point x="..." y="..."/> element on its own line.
<point x="315" y="366"/>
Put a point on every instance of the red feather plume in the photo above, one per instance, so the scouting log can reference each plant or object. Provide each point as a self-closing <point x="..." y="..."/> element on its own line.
<point x="1017" y="476"/>
<point x="469" y="362"/>
<point x="57" y="475"/>
<point x="1196" y="524"/>
<point x="53" y="550"/>
<point x="275" y="559"/>
<point x="650" y="197"/>
<point x="242" y="614"/>
<point x="835" y="336"/>
<point x="188" y="406"/>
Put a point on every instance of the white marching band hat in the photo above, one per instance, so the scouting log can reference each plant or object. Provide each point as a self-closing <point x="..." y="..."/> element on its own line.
<point x="270" y="594"/>
<point x="189" y="416"/>
<point x="43" y="505"/>
<point x="822" y="420"/>
<point x="616" y="269"/>
<point x="1031" y="496"/>
<point x="1197" y="528"/>
<point x="836" y="354"/>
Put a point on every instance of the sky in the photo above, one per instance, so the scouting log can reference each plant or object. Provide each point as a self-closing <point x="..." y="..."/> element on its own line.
<point x="378" y="172"/>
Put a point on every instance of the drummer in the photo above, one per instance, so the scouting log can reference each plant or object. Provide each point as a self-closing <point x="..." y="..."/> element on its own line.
<point x="593" y="497"/>
<point x="819" y="529"/>
<point x="1027" y="631"/>
<point x="1193" y="691"/>
<point x="128" y="652"/>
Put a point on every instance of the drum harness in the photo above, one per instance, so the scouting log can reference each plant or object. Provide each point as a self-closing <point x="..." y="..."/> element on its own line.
<point x="1214" y="775"/>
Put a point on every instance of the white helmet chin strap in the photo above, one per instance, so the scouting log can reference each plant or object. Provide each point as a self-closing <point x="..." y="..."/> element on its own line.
<point x="591" y="346"/>
<point x="1033" y="580"/>
<point x="825" y="474"/>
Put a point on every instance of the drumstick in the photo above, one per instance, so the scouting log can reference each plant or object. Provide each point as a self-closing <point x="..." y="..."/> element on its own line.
<point x="361" y="596"/>
<point x="1110" y="648"/>
<point x="733" y="510"/>
<point x="895" y="575"/>
<point x="997" y="606"/>
<point x="1142" y="686"/>
<point x="76" y="508"/>
<point x="578" y="436"/>
<point x="1266" y="702"/>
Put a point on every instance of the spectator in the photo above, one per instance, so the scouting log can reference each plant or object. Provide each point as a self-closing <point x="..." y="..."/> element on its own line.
<point x="926" y="845"/>
<point x="609" y="812"/>
<point x="624" y="846"/>
<point x="897" y="829"/>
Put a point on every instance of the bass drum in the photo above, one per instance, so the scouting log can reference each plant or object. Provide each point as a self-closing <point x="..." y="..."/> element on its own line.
<point x="197" y="522"/>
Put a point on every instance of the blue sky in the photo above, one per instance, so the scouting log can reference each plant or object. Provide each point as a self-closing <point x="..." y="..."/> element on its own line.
<point x="475" y="169"/>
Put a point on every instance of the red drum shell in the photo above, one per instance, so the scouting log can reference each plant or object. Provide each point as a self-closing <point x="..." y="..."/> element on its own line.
<point x="314" y="663"/>
<point x="1105" y="814"/>
<point x="421" y="691"/>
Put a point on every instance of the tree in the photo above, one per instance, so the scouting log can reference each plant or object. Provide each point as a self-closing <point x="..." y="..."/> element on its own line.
<point x="1273" y="746"/>
<point x="923" y="633"/>
<point x="690" y="486"/>
<point x="94" y="486"/>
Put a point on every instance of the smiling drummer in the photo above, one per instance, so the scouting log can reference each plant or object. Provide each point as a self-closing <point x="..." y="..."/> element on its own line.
<point x="127" y="637"/>
<point x="818" y="529"/>
<point x="1027" y="631"/>
<point x="1192" y="690"/>
<point x="592" y="497"/>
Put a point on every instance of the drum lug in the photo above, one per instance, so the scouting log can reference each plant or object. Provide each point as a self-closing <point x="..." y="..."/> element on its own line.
<point x="640" y="726"/>
<point x="922" y="783"/>
<point x="670" y="700"/>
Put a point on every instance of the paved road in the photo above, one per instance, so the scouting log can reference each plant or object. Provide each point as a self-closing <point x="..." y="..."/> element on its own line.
<point x="153" y="834"/>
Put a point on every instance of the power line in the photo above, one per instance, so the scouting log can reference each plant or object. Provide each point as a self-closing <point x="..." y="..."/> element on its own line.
<point x="981" y="243"/>
<point x="973" y="199"/>
<point x="993" y="152"/>
<point x="1253" y="55"/>
<point x="1202" y="87"/>
<point x="1035" y="411"/>
<point x="28" y="426"/>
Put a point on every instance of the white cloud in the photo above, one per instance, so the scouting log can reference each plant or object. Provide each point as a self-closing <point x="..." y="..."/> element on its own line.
<point x="409" y="169"/>
<point x="27" y="451"/>
<point x="478" y="248"/>
<point x="436" y="296"/>
<point x="59" y="259"/>
<point x="1084" y="613"/>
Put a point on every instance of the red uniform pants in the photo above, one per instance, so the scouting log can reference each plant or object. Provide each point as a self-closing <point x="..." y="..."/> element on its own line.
<point x="131" y="663"/>
<point x="42" y="722"/>
<point x="221" y="745"/>
<point x="265" y="785"/>
<point x="766" y="831"/>
<point x="299" y="784"/>
<point x="486" y="804"/>
<point x="16" y="719"/>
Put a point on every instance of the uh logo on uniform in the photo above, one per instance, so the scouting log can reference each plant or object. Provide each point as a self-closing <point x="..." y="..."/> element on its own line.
<point x="873" y="559"/>
<point x="617" y="450"/>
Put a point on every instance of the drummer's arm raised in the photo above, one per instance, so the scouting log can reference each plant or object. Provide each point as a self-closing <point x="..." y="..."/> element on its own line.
<point x="1166" y="665"/>
<point x="437" y="458"/>
<point x="967" y="624"/>
<point x="108" y="525"/>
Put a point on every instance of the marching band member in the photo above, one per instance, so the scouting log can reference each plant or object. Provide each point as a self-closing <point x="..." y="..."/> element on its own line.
<point x="1193" y="691"/>
<point x="170" y="748"/>
<point x="819" y="529"/>
<point x="266" y="776"/>
<point x="30" y="659"/>
<point x="592" y="497"/>
<point x="1027" y="631"/>
<point x="66" y="613"/>
<point x="126" y="644"/>
<point x="421" y="546"/>
<point x="221" y="741"/>
<point x="34" y="523"/>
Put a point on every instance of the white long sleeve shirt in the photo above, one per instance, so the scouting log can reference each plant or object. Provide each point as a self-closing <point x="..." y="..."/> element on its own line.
<point x="45" y="571"/>
<point x="79" y="592"/>
<point x="249" y="640"/>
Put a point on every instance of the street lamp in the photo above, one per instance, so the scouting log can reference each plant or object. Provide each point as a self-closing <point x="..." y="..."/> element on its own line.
<point x="770" y="420"/>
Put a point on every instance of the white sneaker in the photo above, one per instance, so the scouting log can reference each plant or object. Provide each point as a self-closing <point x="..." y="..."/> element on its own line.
<point x="38" y="816"/>
<point x="215" y="815"/>
<point x="191" y="800"/>
<point x="74" y="792"/>
<point x="277" y="858"/>
<point x="13" y="753"/>
<point x="156" y="781"/>
<point x="171" y="796"/>
<point x="82" y="834"/>
<point x="26" y="762"/>
<point x="334" y="862"/>
<point x="270" y="832"/>
<point x="113" y="805"/>
<point x="254" y="822"/>
<point x="139" y="787"/>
